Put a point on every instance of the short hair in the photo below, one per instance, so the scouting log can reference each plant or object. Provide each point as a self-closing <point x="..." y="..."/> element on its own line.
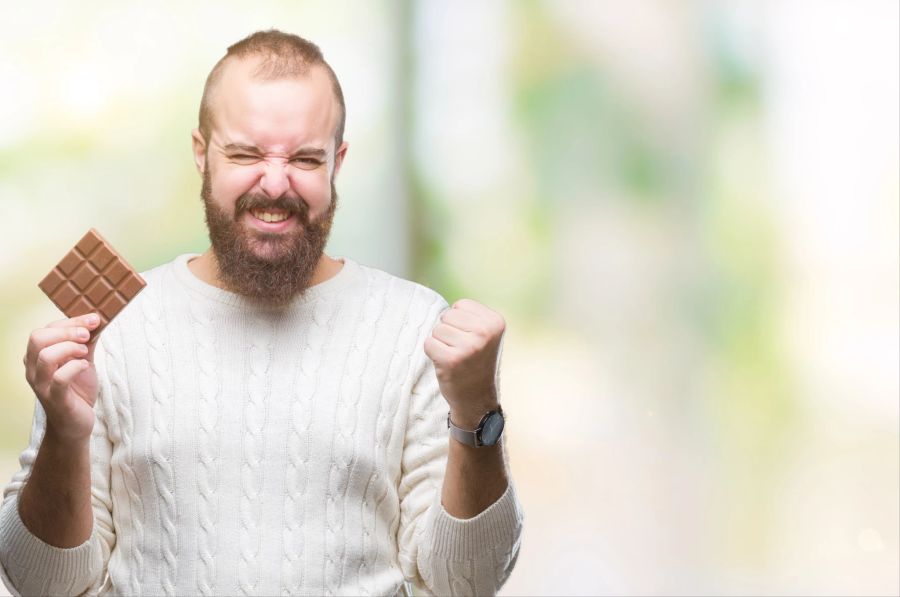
<point x="283" y="55"/>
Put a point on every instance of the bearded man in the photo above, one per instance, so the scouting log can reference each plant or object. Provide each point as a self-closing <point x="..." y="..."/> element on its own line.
<point x="263" y="418"/>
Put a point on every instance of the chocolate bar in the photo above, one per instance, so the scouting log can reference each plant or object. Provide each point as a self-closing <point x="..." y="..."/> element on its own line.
<point x="92" y="278"/>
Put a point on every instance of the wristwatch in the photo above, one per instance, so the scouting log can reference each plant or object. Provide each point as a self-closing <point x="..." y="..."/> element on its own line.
<point x="488" y="432"/>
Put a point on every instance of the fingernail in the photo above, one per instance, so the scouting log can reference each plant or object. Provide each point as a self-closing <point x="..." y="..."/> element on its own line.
<point x="93" y="318"/>
<point x="83" y="334"/>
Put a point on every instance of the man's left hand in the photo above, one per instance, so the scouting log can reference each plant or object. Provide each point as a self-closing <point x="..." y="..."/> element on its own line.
<point x="465" y="348"/>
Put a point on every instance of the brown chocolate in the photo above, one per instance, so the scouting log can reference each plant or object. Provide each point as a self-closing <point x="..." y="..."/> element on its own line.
<point x="92" y="278"/>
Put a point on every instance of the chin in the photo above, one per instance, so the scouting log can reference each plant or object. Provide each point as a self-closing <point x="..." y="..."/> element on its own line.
<point x="268" y="246"/>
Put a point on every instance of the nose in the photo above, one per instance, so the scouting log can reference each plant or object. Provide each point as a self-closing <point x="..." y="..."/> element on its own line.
<point x="275" y="181"/>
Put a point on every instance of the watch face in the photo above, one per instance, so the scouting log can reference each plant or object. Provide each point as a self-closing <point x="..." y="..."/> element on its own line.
<point x="492" y="429"/>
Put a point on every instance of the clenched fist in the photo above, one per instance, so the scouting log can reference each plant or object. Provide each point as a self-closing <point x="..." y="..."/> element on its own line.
<point x="465" y="348"/>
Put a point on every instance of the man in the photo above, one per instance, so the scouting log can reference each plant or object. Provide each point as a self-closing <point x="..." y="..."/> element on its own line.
<point x="263" y="418"/>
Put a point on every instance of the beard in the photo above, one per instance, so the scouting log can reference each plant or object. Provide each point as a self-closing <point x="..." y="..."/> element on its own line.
<point x="269" y="268"/>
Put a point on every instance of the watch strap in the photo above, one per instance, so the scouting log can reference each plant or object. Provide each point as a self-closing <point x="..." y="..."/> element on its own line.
<point x="471" y="438"/>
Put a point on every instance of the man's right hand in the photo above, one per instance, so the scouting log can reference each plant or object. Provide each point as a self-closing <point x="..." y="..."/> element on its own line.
<point x="59" y="366"/>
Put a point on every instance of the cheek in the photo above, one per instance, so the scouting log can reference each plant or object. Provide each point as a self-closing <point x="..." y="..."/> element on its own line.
<point x="233" y="183"/>
<point x="314" y="187"/>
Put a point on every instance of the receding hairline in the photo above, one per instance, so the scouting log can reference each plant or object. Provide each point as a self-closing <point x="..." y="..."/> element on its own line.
<point x="277" y="61"/>
<point x="218" y="74"/>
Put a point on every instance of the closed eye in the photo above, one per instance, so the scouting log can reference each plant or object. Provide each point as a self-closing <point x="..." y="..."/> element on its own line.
<point x="307" y="163"/>
<point x="243" y="157"/>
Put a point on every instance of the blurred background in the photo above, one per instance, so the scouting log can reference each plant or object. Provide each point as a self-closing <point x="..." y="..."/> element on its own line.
<point x="686" y="211"/>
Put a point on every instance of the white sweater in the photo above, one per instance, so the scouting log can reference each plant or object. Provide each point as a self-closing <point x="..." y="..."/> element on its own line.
<point x="239" y="450"/>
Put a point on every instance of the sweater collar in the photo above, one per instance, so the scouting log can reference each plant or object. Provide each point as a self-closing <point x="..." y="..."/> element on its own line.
<point x="340" y="281"/>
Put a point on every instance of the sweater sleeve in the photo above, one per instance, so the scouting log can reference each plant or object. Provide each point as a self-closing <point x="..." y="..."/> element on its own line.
<point x="28" y="566"/>
<point x="439" y="553"/>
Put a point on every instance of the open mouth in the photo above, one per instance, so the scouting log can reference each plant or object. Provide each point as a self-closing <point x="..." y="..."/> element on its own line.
<point x="271" y="220"/>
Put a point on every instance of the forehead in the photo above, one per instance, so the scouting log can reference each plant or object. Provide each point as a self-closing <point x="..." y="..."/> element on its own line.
<point x="275" y="115"/>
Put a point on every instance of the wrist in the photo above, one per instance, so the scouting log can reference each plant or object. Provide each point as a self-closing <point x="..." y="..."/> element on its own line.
<point x="469" y="416"/>
<point x="486" y="432"/>
<point x="64" y="442"/>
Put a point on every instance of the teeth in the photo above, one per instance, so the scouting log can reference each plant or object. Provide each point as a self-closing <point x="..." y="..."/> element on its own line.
<point x="267" y="216"/>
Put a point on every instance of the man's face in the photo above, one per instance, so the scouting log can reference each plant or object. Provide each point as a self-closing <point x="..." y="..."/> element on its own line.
<point x="271" y="156"/>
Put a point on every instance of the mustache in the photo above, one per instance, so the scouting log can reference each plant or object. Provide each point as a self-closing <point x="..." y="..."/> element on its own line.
<point x="292" y="205"/>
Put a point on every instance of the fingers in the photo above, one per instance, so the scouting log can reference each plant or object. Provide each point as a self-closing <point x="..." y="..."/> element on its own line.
<point x="63" y="376"/>
<point x="75" y="329"/>
<point x="479" y="320"/>
<point x="52" y="358"/>
<point x="450" y="335"/>
<point x="88" y="320"/>
<point x="45" y="337"/>
<point x="436" y="350"/>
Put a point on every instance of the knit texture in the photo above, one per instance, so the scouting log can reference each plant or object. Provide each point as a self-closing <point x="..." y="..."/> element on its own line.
<point x="242" y="450"/>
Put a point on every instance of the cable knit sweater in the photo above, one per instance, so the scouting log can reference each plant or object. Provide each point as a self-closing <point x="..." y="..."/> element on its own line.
<point x="242" y="450"/>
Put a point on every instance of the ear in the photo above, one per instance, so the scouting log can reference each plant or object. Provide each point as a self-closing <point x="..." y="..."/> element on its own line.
<point x="198" y="145"/>
<point x="339" y="158"/>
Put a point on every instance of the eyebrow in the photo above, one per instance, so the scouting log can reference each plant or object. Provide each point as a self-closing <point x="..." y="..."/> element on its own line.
<point x="304" y="151"/>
